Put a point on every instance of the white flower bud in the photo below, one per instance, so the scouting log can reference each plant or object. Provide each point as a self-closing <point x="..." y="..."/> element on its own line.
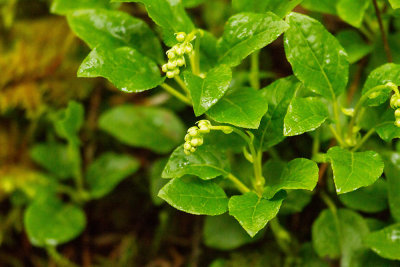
<point x="170" y="74"/>
<point x="180" y="37"/>
<point x="164" y="67"/>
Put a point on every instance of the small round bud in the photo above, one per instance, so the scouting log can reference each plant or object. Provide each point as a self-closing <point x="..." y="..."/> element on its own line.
<point x="193" y="131"/>
<point x="180" y="37"/>
<point x="204" y="129"/>
<point x="397" y="113"/>
<point x="373" y="95"/>
<point x="179" y="51"/>
<point x="171" y="65"/>
<point x="180" y="61"/>
<point x="189" y="48"/>
<point x="397" y="103"/>
<point x="187" y="146"/>
<point x="176" y="72"/>
<point x="170" y="54"/>
<point x="193" y="149"/>
<point x="170" y="74"/>
<point x="187" y="137"/>
<point x="204" y="123"/>
<point x="164" y="67"/>
<point x="187" y="152"/>
<point x="393" y="101"/>
<point x="397" y="123"/>
<point x="196" y="142"/>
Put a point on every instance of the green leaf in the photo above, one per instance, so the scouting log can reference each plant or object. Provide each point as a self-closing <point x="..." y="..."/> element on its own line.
<point x="50" y="222"/>
<point x="317" y="58"/>
<point x="395" y="3"/>
<point x="107" y="171"/>
<point x="279" y="94"/>
<point x="223" y="232"/>
<point x="69" y="121"/>
<point x="254" y="212"/>
<point x="387" y="131"/>
<point x="352" y="11"/>
<point x="63" y="7"/>
<point x="192" y="3"/>
<point x="206" y="92"/>
<point x="386" y="242"/>
<point x="278" y="7"/>
<point x="160" y="130"/>
<point x="340" y="234"/>
<point x="246" y="33"/>
<point x="392" y="170"/>
<point x="195" y="196"/>
<point x="295" y="201"/>
<point x="368" y="199"/>
<point x="54" y="158"/>
<point x="206" y="163"/>
<point x="243" y="107"/>
<point x="125" y="67"/>
<point x="323" y="6"/>
<point x="209" y="53"/>
<point x="354" y="45"/>
<point x="352" y="170"/>
<point x="297" y="174"/>
<point x="168" y="14"/>
<point x="304" y="115"/>
<point x="156" y="182"/>
<point x="112" y="29"/>
<point x="380" y="76"/>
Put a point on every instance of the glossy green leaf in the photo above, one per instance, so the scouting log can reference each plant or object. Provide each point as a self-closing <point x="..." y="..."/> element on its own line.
<point x="279" y="94"/>
<point x="395" y="3"/>
<point x="156" y="182"/>
<point x="352" y="11"/>
<point x="317" y="58"/>
<point x="160" y="130"/>
<point x="63" y="7"/>
<point x="207" y="92"/>
<point x="278" y="7"/>
<point x="125" y="67"/>
<point x="339" y="235"/>
<point x="297" y="174"/>
<point x="206" y="163"/>
<point x="323" y="6"/>
<point x="223" y="232"/>
<point x="380" y="76"/>
<point x="113" y="29"/>
<point x="254" y="212"/>
<point x="54" y="158"/>
<point x="69" y="121"/>
<point x="352" y="170"/>
<point x="386" y="242"/>
<point x="50" y="222"/>
<point x="304" y="115"/>
<point x="243" y="107"/>
<point x="371" y="199"/>
<point x="392" y="170"/>
<point x="107" y="171"/>
<point x="245" y="33"/>
<point x="195" y="196"/>
<point x="356" y="48"/>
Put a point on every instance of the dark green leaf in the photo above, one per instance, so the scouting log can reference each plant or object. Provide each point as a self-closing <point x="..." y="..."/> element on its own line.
<point x="323" y="6"/>
<point x="392" y="170"/>
<point x="69" y="121"/>
<point x="245" y="33"/>
<point x="317" y="58"/>
<point x="125" y="67"/>
<point x="160" y="130"/>
<point x="156" y="182"/>
<point x="195" y="196"/>
<point x="386" y="242"/>
<point x="63" y="7"/>
<point x="295" y="201"/>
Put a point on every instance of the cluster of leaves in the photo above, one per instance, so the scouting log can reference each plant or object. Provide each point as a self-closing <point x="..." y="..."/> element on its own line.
<point x="238" y="168"/>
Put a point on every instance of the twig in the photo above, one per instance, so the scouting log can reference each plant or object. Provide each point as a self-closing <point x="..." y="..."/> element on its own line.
<point x="382" y="29"/>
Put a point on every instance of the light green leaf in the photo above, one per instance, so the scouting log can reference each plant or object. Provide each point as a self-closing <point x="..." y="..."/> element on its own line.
<point x="392" y="170"/>
<point x="339" y="235"/>
<point x="168" y="14"/>
<point x="395" y="3"/>
<point x="304" y="115"/>
<point x="206" y="163"/>
<point x="254" y="212"/>
<point x="107" y="171"/>
<point x="352" y="170"/>
<point x="368" y="199"/>
<point x="323" y="6"/>
<point x="380" y="76"/>
<point x="113" y="29"/>
<point x="125" y="67"/>
<point x="69" y="121"/>
<point x="279" y="94"/>
<point x="243" y="107"/>
<point x="352" y="11"/>
<point x="297" y="174"/>
<point x="317" y="58"/>
<point x="63" y="7"/>
<point x="386" y="242"/>
<point x="354" y="45"/>
<point x="160" y="130"/>
<point x="245" y="33"/>
<point x="54" y="158"/>
<point x="195" y="196"/>
<point x="223" y="232"/>
<point x="206" y="92"/>
<point x="50" y="222"/>
<point x="278" y="7"/>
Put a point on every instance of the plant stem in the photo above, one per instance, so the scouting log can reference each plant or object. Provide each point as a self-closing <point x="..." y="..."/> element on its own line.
<point x="316" y="142"/>
<point x="241" y="186"/>
<point x="58" y="258"/>
<point x="337" y="117"/>
<point x="337" y="136"/>
<point x="282" y="236"/>
<point x="383" y="32"/>
<point x="368" y="135"/>
<point x="175" y="93"/>
<point x="195" y="56"/>
<point x="182" y="85"/>
<point x="254" y="70"/>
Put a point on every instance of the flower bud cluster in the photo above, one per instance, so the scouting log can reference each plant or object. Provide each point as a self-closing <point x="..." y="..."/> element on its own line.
<point x="194" y="136"/>
<point x="395" y="104"/>
<point x="176" y="55"/>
